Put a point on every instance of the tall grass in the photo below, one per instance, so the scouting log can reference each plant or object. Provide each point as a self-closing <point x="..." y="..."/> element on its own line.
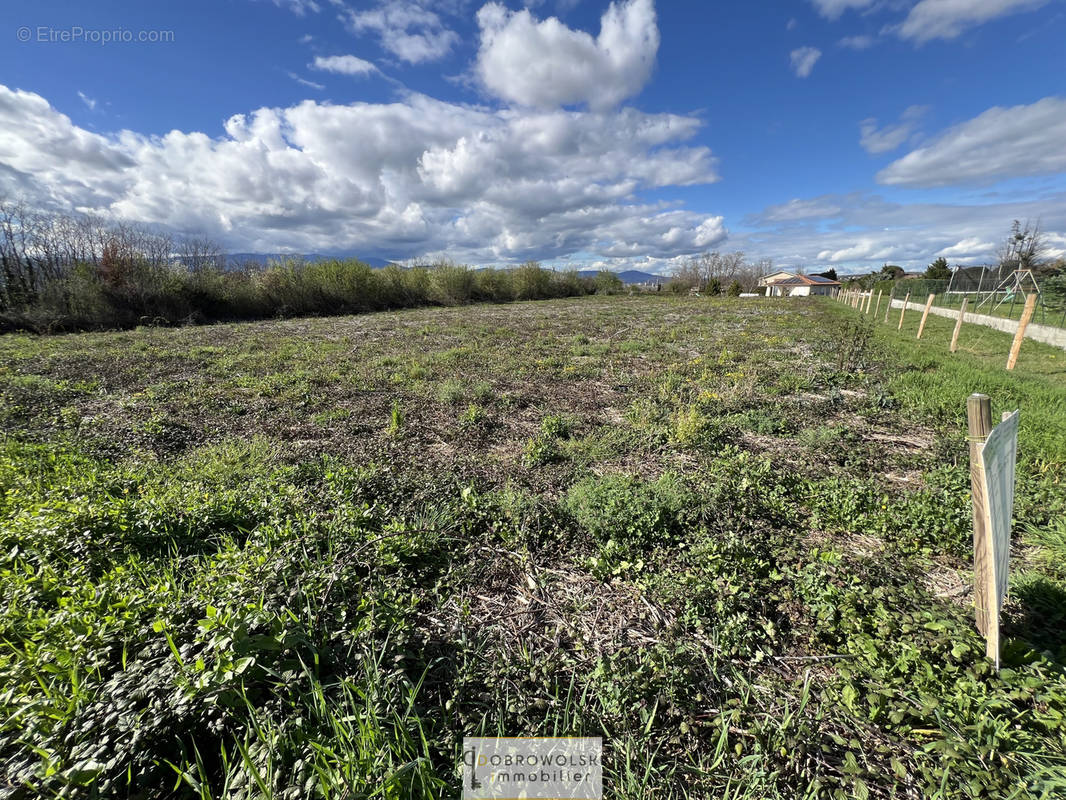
<point x="85" y="297"/>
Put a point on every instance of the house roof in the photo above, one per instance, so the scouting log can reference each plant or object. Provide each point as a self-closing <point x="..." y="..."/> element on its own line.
<point x="766" y="280"/>
<point x="804" y="280"/>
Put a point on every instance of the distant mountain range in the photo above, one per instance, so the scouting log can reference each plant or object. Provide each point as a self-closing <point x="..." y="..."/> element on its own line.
<point x="629" y="276"/>
<point x="237" y="259"/>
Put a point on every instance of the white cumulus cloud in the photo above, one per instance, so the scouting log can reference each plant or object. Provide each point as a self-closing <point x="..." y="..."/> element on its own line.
<point x="803" y="60"/>
<point x="408" y="29"/>
<point x="861" y="42"/>
<point x="304" y="82"/>
<point x="89" y="101"/>
<point x="969" y="247"/>
<point x="875" y="140"/>
<point x="545" y="64"/>
<point x="343" y="65"/>
<point x="927" y="20"/>
<point x="1000" y="143"/>
<point x="399" y="180"/>
<point x="832" y="9"/>
<point x="947" y="19"/>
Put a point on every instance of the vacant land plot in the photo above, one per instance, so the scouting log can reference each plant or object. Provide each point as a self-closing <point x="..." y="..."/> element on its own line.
<point x="304" y="558"/>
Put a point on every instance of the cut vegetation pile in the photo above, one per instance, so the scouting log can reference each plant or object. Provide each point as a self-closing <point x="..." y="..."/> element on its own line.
<point x="305" y="558"/>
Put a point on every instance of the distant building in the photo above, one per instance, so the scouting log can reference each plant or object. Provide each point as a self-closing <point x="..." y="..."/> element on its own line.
<point x="776" y="276"/>
<point x="788" y="284"/>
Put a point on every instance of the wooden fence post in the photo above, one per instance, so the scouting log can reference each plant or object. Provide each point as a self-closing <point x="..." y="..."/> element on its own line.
<point x="888" y="307"/>
<point x="903" y="310"/>
<point x="925" y="315"/>
<point x="878" y="309"/>
<point x="958" y="325"/>
<point x="869" y="301"/>
<point x="1027" y="315"/>
<point x="979" y="422"/>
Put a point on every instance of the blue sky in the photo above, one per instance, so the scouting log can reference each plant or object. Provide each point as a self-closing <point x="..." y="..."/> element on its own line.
<point x="843" y="133"/>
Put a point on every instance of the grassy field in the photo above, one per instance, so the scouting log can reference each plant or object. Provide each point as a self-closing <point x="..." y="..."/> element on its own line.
<point x="304" y="558"/>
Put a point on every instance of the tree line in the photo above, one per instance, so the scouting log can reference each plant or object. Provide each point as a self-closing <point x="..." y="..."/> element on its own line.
<point x="720" y="273"/>
<point x="62" y="272"/>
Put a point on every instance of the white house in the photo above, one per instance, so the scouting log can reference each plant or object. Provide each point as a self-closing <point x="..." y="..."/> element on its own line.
<point x="788" y="284"/>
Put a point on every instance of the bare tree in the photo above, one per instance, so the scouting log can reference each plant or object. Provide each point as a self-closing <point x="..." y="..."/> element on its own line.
<point x="699" y="272"/>
<point x="687" y="275"/>
<point x="755" y="272"/>
<point x="198" y="253"/>
<point x="1024" y="248"/>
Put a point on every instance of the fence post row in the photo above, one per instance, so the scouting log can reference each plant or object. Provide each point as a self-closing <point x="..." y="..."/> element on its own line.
<point x="925" y="315"/>
<point x="1019" y="336"/>
<point x="958" y="325"/>
<point x="903" y="311"/>
<point x="864" y="302"/>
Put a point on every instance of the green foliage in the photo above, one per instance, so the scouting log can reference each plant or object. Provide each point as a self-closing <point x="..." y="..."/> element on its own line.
<point x="84" y="298"/>
<point x="555" y="426"/>
<point x="735" y="289"/>
<point x="607" y="282"/>
<point x="395" y="426"/>
<point x="452" y="284"/>
<point x="451" y="392"/>
<point x="531" y="282"/>
<point x="473" y="415"/>
<point x="692" y="427"/>
<point x="938" y="270"/>
<point x="1054" y="291"/>
<point x="626" y="514"/>
<point x="544" y="448"/>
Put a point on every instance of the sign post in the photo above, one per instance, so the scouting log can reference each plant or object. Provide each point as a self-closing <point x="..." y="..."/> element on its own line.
<point x="993" y="457"/>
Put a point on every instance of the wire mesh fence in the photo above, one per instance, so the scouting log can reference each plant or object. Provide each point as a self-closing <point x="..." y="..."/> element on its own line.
<point x="994" y="291"/>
